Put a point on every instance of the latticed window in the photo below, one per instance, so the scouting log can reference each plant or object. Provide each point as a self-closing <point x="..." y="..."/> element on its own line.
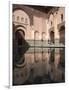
<point x="22" y="19"/>
<point x="51" y="23"/>
<point x="17" y="18"/>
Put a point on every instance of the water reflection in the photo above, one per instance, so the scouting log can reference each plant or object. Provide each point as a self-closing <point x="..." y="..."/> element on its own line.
<point x="42" y="65"/>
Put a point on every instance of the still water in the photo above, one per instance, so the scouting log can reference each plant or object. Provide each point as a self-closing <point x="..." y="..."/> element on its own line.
<point x="40" y="66"/>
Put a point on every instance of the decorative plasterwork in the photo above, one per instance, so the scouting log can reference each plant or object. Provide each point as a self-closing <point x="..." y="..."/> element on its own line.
<point x="61" y="24"/>
<point x="51" y="29"/>
<point x="52" y="12"/>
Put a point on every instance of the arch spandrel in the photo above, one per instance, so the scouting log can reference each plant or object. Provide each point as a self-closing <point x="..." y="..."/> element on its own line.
<point x="26" y="9"/>
<point x="21" y="15"/>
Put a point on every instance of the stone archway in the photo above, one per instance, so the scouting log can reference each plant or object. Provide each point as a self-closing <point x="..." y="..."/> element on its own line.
<point x="20" y="36"/>
<point x="62" y="34"/>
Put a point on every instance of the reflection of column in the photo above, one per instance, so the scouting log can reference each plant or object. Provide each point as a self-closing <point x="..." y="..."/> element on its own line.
<point x="37" y="56"/>
<point x="20" y="61"/>
<point x="57" y="57"/>
<point x="56" y="29"/>
<point x="47" y="60"/>
<point x="37" y="65"/>
<point x="29" y="58"/>
<point x="43" y="56"/>
<point x="44" y="71"/>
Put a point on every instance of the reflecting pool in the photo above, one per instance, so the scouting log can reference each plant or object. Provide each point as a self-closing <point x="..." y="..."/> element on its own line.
<point x="40" y="66"/>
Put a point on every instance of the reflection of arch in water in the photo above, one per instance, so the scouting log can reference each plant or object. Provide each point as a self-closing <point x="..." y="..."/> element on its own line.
<point x="52" y="36"/>
<point x="20" y="75"/>
<point x="21" y="63"/>
<point x="62" y="34"/>
<point x="44" y="57"/>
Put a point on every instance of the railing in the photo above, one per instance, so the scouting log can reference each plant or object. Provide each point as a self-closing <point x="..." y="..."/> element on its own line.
<point x="45" y="43"/>
<point x="37" y="45"/>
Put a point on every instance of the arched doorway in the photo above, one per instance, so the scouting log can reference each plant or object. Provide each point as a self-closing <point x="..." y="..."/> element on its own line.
<point x="52" y="36"/>
<point x="62" y="34"/>
<point x="20" y="40"/>
<point x="20" y="37"/>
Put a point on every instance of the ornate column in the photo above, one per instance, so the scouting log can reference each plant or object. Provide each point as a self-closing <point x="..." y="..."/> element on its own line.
<point x="56" y="32"/>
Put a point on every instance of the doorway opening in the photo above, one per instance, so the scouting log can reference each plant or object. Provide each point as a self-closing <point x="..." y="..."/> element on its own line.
<point x="20" y="37"/>
<point x="52" y="36"/>
<point x="62" y="34"/>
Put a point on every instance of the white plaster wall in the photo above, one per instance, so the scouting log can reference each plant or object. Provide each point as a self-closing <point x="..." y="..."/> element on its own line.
<point x="47" y="30"/>
<point x="38" y="26"/>
<point x="44" y="28"/>
<point x="39" y="23"/>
